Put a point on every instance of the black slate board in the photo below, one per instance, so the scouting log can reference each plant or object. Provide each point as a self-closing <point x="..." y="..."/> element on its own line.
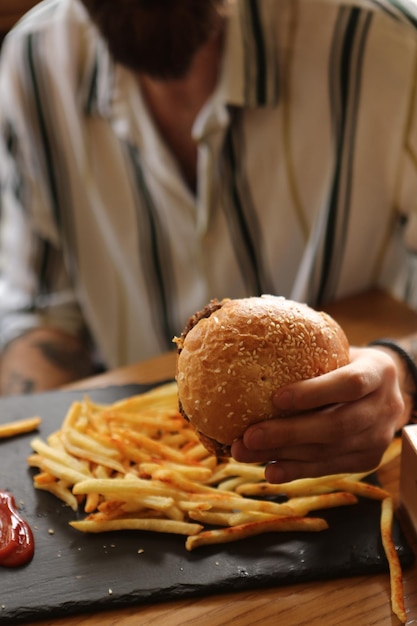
<point x="73" y="573"/>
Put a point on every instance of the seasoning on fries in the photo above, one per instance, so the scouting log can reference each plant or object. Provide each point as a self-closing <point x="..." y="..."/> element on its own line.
<point x="138" y="465"/>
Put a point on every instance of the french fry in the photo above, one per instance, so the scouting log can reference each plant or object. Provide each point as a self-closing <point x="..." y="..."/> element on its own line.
<point x="72" y="416"/>
<point x="154" y="525"/>
<point x="83" y="447"/>
<point x="92" y="502"/>
<point x="134" y="488"/>
<point x="305" y="504"/>
<point x="19" y="427"/>
<point x="392" y="452"/>
<point x="182" y="483"/>
<point x="61" y="490"/>
<point x="155" y="447"/>
<point x="192" y="472"/>
<point x="131" y="452"/>
<point x="361" y="489"/>
<point x="43" y="478"/>
<point x="236" y="533"/>
<point x="58" y="455"/>
<point x="397" y="594"/>
<point x="220" y="518"/>
<point x="252" y="473"/>
<point x="230" y="502"/>
<point x="199" y="453"/>
<point x="295" y="488"/>
<point x="60" y="470"/>
<point x="231" y="483"/>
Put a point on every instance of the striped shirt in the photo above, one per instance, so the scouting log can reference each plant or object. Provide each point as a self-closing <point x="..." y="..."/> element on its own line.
<point x="307" y="182"/>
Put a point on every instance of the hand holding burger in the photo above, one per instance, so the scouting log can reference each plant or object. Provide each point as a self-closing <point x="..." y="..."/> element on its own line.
<point x="235" y="354"/>
<point x="270" y="380"/>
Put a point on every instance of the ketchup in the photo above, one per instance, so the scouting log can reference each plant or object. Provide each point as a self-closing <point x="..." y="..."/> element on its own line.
<point x="16" y="538"/>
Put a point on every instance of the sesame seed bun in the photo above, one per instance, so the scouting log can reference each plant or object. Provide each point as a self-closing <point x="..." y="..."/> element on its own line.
<point x="234" y="355"/>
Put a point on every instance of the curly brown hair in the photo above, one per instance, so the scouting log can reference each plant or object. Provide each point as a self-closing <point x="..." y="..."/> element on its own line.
<point x="156" y="37"/>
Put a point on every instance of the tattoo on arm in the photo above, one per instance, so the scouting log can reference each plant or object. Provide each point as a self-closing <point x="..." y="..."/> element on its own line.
<point x="19" y="385"/>
<point x="72" y="359"/>
<point x="43" y="360"/>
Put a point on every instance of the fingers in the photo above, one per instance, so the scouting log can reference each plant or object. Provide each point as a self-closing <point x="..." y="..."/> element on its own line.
<point x="328" y="426"/>
<point x="341" y="428"/>
<point x="364" y="444"/>
<point x="311" y="461"/>
<point x="357" y="442"/>
<point x="346" y="384"/>
<point x="339" y="422"/>
<point x="283" y="472"/>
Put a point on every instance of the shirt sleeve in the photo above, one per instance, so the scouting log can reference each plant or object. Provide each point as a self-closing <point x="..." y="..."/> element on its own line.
<point x="35" y="286"/>
<point x="407" y="189"/>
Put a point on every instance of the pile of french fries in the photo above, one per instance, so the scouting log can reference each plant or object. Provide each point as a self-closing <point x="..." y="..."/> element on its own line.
<point x="137" y="465"/>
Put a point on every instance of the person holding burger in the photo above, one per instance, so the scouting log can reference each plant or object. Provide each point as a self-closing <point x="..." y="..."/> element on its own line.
<point x="266" y="379"/>
<point x="157" y="154"/>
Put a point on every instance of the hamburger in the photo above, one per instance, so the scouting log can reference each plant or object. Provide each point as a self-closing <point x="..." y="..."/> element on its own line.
<point x="235" y="354"/>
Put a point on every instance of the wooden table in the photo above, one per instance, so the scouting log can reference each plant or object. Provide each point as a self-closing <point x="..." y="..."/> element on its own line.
<point x="358" y="601"/>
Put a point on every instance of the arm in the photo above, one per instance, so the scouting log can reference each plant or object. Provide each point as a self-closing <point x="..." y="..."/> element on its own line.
<point x="40" y="317"/>
<point x="43" y="359"/>
<point x="339" y="422"/>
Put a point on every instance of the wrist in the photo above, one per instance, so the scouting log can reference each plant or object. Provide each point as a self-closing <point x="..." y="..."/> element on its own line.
<point x="408" y="380"/>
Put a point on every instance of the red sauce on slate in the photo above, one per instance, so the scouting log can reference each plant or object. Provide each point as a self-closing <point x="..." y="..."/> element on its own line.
<point x="16" y="538"/>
